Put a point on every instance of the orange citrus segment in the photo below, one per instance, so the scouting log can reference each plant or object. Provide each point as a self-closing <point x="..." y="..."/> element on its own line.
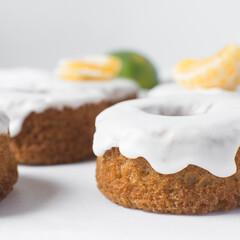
<point x="220" y="70"/>
<point x="96" y="68"/>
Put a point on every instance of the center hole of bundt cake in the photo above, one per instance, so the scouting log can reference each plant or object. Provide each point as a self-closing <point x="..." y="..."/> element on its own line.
<point x="177" y="110"/>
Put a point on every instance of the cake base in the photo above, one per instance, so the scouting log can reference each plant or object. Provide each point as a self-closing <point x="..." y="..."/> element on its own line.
<point x="58" y="136"/>
<point x="8" y="167"/>
<point x="133" y="183"/>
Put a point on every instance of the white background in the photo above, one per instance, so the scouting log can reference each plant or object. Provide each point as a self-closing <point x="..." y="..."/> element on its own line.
<point x="39" y="32"/>
<point x="63" y="202"/>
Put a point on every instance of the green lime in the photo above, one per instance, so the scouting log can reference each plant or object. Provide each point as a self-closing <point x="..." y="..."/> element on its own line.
<point x="138" y="68"/>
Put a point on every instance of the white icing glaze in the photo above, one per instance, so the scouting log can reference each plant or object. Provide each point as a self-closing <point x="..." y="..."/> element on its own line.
<point x="23" y="91"/>
<point x="173" y="89"/>
<point x="18" y="105"/>
<point x="33" y="80"/>
<point x="111" y="90"/>
<point x="4" y="123"/>
<point x="172" y="132"/>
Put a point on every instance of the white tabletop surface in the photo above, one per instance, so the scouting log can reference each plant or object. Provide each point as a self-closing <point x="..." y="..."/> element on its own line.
<point x="63" y="202"/>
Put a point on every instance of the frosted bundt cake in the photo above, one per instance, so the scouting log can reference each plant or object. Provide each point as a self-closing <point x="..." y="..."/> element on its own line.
<point x="52" y="120"/>
<point x="173" y="154"/>
<point x="8" y="166"/>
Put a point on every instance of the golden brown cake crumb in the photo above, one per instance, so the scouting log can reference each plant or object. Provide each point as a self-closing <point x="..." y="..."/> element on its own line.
<point x="58" y="136"/>
<point x="8" y="167"/>
<point x="133" y="183"/>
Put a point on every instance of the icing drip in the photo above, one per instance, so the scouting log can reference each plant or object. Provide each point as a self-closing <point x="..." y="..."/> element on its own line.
<point x="173" y="132"/>
<point x="4" y="123"/>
